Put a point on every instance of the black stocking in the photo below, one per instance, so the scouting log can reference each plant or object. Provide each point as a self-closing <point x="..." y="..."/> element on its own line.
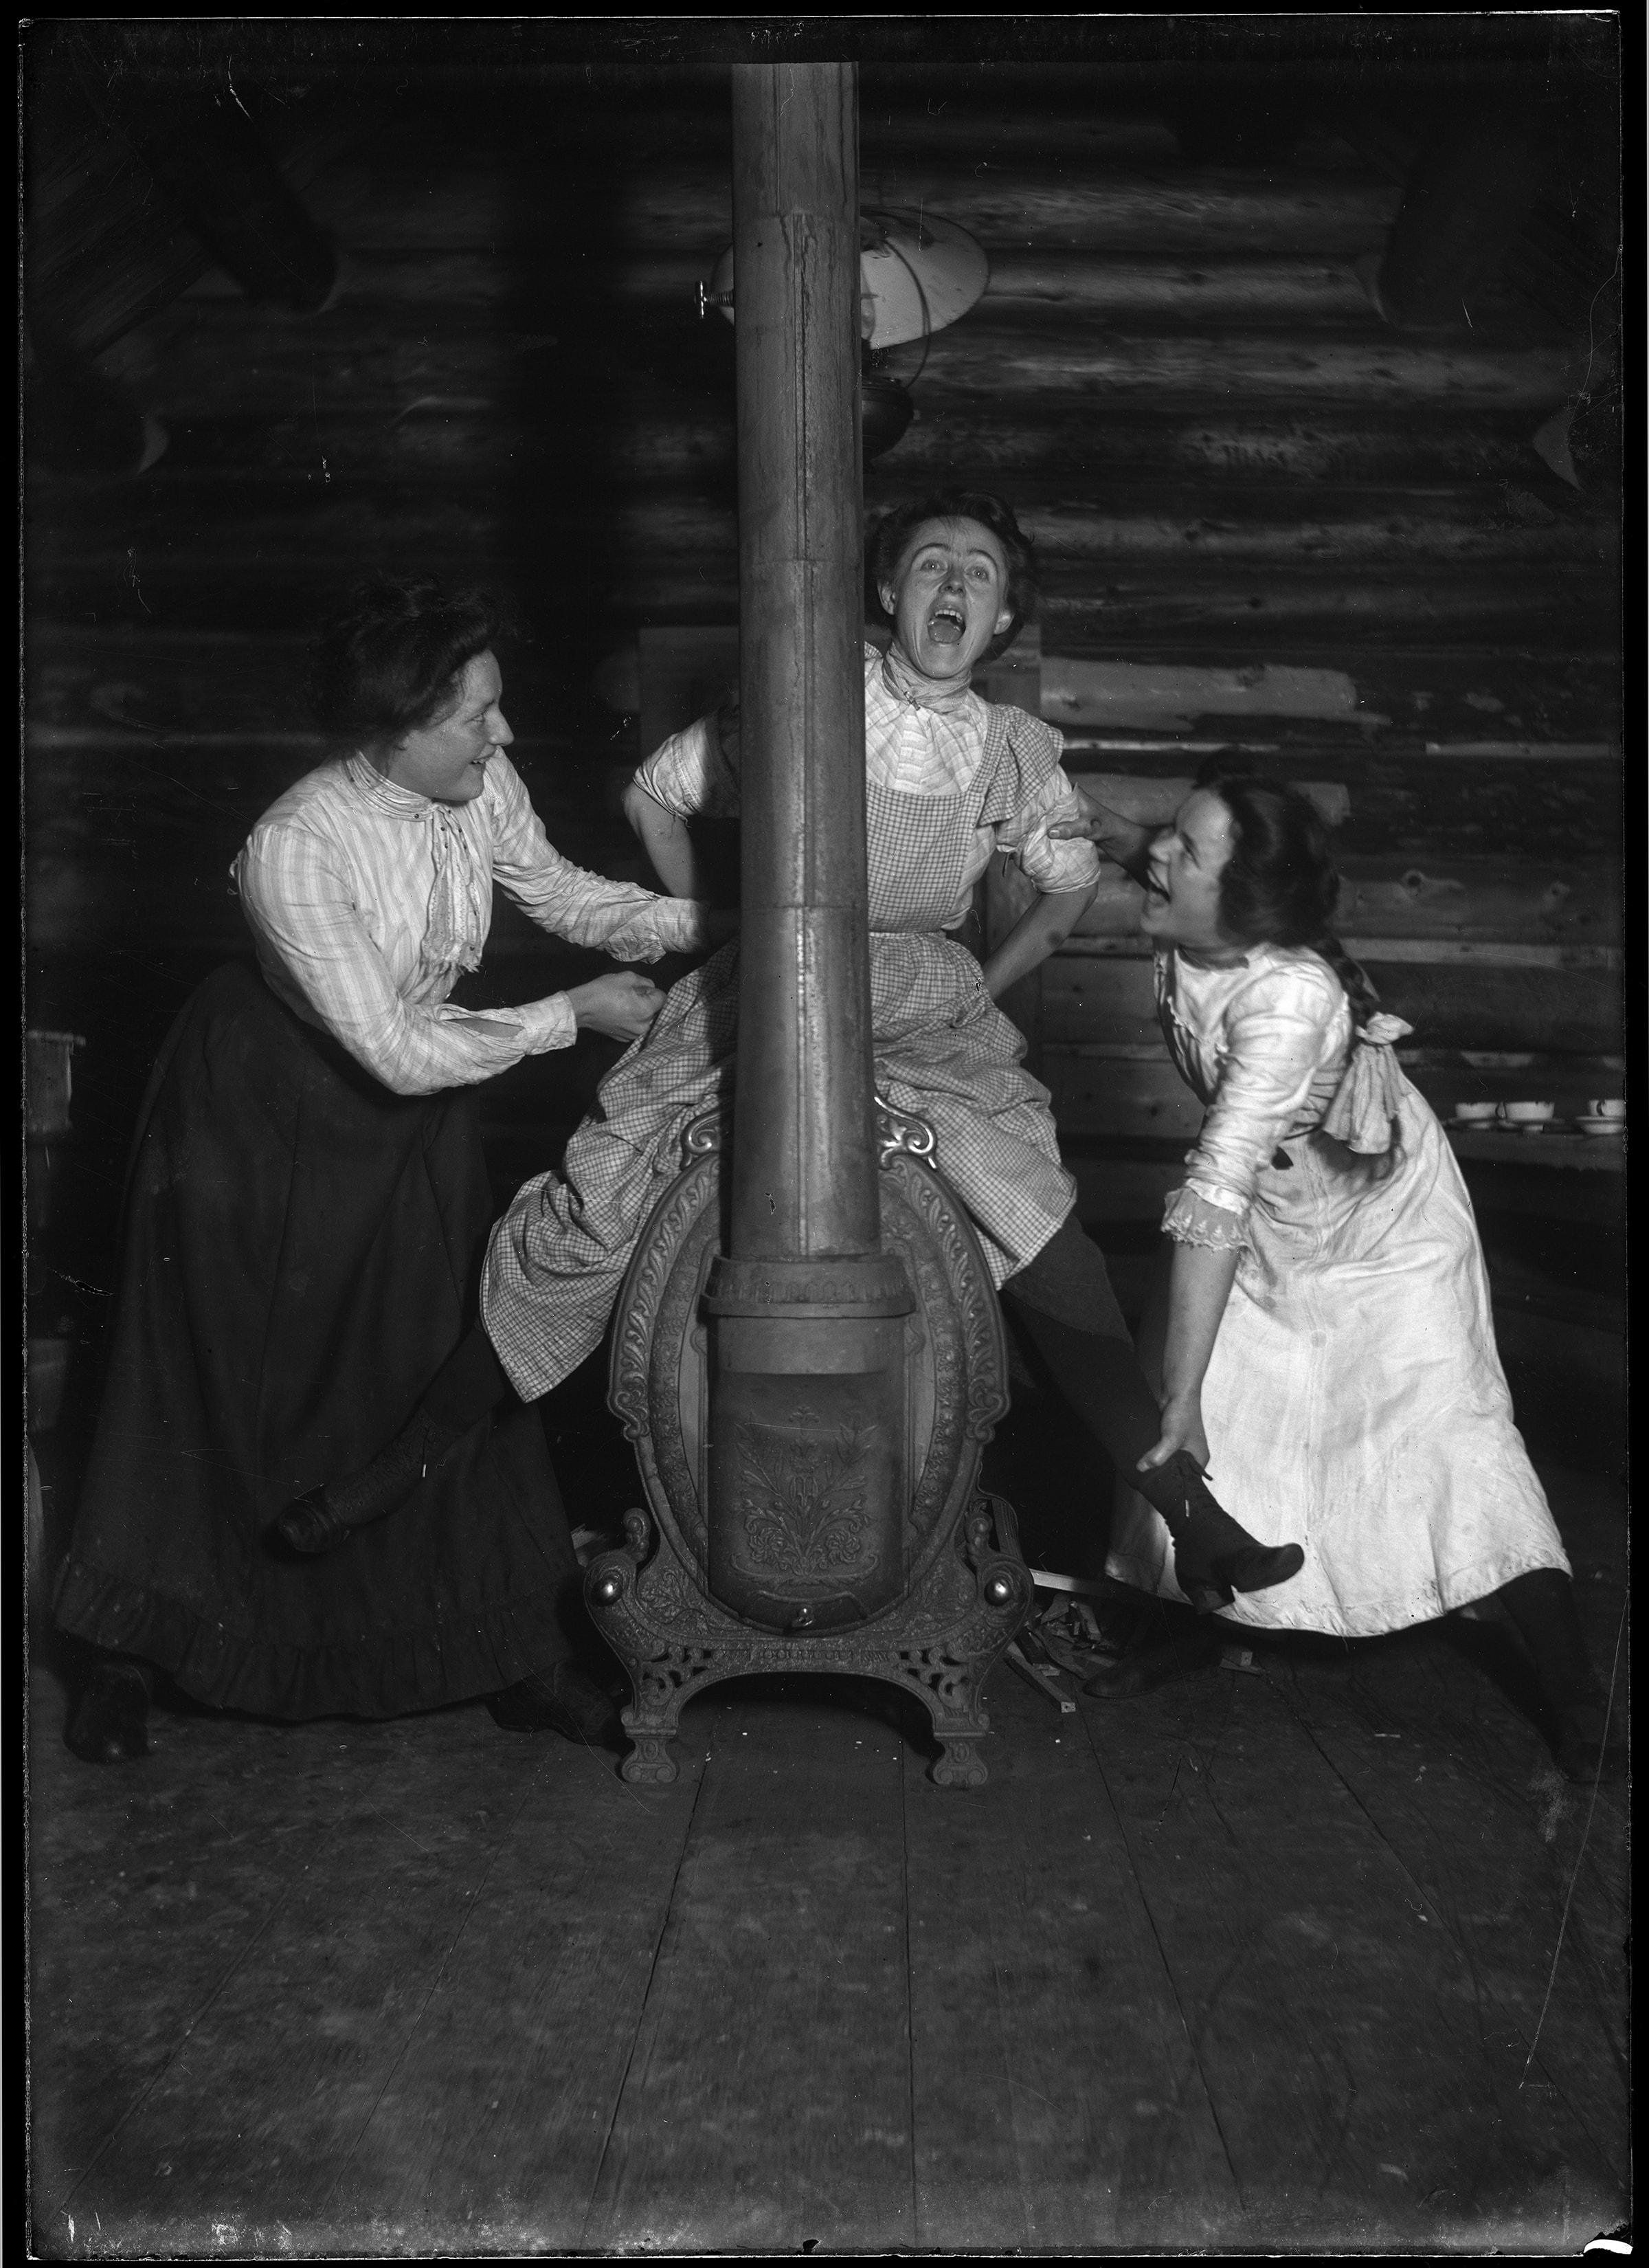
<point x="1065" y="1302"/>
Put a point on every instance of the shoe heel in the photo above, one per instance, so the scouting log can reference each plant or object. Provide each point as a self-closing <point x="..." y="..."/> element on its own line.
<point x="311" y="1525"/>
<point x="1205" y="1588"/>
<point x="1262" y="1568"/>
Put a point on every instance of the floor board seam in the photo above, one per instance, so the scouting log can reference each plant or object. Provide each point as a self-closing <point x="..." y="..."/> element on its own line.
<point x="1168" y="1970"/>
<point x="435" y="1986"/>
<point x="1463" y="1952"/>
<point x="155" y="2078"/>
<point x="910" y="2001"/>
<point x="641" y="2014"/>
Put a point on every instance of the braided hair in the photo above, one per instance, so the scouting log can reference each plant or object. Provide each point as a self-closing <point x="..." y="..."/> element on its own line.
<point x="1281" y="886"/>
<point x="891" y="535"/>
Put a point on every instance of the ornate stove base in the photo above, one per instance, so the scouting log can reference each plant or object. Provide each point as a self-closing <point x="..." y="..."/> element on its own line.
<point x="963" y="1590"/>
<point x="939" y="1642"/>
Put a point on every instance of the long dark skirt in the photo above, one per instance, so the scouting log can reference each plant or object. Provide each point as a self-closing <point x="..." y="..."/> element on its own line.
<point x="299" y="1257"/>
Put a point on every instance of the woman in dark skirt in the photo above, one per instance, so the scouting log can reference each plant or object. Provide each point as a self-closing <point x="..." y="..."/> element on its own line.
<point x="306" y="1214"/>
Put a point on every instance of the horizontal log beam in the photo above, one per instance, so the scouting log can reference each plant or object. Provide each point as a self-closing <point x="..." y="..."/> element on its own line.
<point x="192" y="690"/>
<point x="651" y="435"/>
<point x="1223" y="285"/>
<point x="985" y="355"/>
<point x="1479" y="902"/>
<point x="251" y="679"/>
<point x="1547" y="1010"/>
<point x="1133" y="610"/>
<point x="1125" y="1097"/>
<point x="225" y="524"/>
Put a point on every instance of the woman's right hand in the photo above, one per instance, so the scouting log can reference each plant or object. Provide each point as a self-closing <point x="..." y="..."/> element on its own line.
<point x="1181" y="1429"/>
<point x="1125" y="841"/>
<point x="623" y="1005"/>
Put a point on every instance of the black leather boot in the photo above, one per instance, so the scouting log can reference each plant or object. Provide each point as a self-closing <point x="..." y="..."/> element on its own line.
<point x="1098" y="1373"/>
<point x="1590" y="1742"/>
<point x="1214" y="1556"/>
<point x="327" y="1517"/>
<point x="562" y="1699"/>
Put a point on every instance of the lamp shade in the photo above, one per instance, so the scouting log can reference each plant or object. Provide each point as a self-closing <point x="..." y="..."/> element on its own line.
<point x="918" y="274"/>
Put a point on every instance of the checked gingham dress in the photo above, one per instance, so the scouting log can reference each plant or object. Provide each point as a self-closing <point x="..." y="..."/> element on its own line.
<point x="942" y="1050"/>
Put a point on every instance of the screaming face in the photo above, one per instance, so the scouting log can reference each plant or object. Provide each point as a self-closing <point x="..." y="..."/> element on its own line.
<point x="949" y="597"/>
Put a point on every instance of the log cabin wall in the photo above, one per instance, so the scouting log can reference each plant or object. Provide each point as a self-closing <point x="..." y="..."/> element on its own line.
<point x="1378" y="555"/>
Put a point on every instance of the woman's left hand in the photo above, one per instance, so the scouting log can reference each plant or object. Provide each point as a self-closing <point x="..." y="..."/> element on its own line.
<point x="1181" y="1429"/>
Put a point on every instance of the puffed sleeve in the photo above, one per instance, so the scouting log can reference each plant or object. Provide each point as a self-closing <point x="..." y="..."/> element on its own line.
<point x="1052" y="863"/>
<point x="1279" y="1032"/>
<point x="695" y="774"/>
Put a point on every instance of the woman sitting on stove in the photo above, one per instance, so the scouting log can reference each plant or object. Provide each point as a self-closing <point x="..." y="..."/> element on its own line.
<point x="950" y="780"/>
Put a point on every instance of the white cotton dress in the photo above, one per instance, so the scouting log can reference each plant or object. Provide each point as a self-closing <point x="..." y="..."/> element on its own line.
<point x="1354" y="1402"/>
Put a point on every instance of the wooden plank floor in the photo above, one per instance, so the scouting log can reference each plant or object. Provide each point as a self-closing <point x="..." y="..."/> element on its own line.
<point x="1265" y="1962"/>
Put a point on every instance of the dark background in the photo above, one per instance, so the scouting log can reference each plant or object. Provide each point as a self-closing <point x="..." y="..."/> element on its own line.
<point x="422" y="295"/>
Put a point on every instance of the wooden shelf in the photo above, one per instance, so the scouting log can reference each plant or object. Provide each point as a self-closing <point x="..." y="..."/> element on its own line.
<point x="1601" y="1153"/>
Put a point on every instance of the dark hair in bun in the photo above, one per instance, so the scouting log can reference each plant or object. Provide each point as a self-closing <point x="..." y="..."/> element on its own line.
<point x="891" y="537"/>
<point x="1281" y="886"/>
<point x="392" y="660"/>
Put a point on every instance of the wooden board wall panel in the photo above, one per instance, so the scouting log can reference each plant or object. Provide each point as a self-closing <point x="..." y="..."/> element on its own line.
<point x="1143" y="608"/>
<point x="1099" y="1003"/>
<point x="110" y="681"/>
<point x="217" y="354"/>
<point x="1204" y="608"/>
<point x="1338" y="213"/>
<point x="1028" y="283"/>
<point x="97" y="677"/>
<point x="1578" y="1012"/>
<point x="1129" y="1089"/>
<point x="983" y="356"/>
<point x="1263" y="530"/>
<point x="1529" y="693"/>
<point x="1452" y="901"/>
<point x="658" y="435"/>
<point x="1104" y="1096"/>
<point x="1229" y="285"/>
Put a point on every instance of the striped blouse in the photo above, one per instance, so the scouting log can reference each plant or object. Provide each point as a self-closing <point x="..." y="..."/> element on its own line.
<point x="366" y="901"/>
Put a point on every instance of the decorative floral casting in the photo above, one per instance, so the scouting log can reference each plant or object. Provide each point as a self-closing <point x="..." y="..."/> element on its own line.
<point x="801" y="1495"/>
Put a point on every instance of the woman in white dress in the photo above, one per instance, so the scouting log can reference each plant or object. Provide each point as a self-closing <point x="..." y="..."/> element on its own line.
<point x="1328" y="1349"/>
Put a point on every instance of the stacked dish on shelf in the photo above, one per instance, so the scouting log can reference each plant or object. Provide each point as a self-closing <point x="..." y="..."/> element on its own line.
<point x="1600" y="1119"/>
<point x="1603" y="1118"/>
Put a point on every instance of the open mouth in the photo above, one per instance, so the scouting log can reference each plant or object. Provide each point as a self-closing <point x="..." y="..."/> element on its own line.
<point x="947" y="625"/>
<point x="1156" y="884"/>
